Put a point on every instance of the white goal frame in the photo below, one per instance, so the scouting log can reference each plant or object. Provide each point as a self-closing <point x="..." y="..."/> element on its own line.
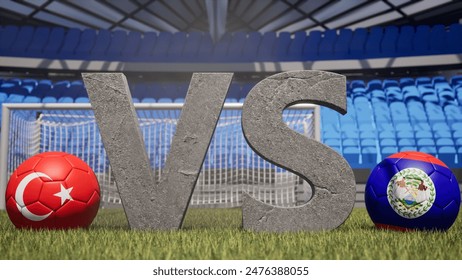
<point x="8" y="107"/>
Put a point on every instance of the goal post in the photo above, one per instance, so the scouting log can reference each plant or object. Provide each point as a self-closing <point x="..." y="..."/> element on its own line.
<point x="230" y="166"/>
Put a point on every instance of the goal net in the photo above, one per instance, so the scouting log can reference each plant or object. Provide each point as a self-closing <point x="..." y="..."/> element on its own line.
<point x="230" y="166"/>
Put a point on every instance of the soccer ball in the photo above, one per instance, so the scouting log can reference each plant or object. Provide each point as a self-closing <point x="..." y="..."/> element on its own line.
<point x="52" y="190"/>
<point x="412" y="190"/>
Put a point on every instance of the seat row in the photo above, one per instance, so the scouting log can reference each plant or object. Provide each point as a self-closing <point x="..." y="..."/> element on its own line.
<point x="374" y="127"/>
<point x="361" y="43"/>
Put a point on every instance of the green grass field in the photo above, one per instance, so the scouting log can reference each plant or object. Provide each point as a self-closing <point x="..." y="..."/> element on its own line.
<point x="217" y="234"/>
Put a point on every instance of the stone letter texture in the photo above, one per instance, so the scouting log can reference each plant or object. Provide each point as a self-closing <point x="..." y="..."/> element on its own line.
<point x="149" y="205"/>
<point x="328" y="173"/>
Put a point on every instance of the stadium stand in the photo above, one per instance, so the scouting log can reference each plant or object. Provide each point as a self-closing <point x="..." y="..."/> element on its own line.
<point x="361" y="43"/>
<point x="384" y="116"/>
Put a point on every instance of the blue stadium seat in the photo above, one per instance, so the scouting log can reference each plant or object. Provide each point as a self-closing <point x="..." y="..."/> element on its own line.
<point x="416" y="112"/>
<point x="132" y="45"/>
<point x="421" y="41"/>
<point x="176" y="47"/>
<point x="146" y="46"/>
<point x="411" y="93"/>
<point x="454" y="38"/>
<point x="102" y="43"/>
<point x="39" y="40"/>
<point x="357" y="43"/>
<point x="250" y="49"/>
<point x="206" y="48"/>
<point x="374" y="85"/>
<point x="387" y="134"/>
<point x="429" y="150"/>
<point x="398" y="112"/>
<point x="235" y="47"/>
<point x="388" y="151"/>
<point x="220" y="50"/>
<point x="404" y="43"/>
<point x="373" y="42"/>
<point x="438" y="39"/>
<point x="388" y="142"/>
<point x="118" y="41"/>
<point x="405" y="142"/>
<point x="86" y="44"/>
<point x="70" y="42"/>
<point x="435" y="113"/>
<point x="388" y="44"/>
<point x="448" y="155"/>
<point x="327" y="43"/>
<point x="310" y="49"/>
<point x="23" y="39"/>
<point x="295" y="50"/>
<point x="369" y="157"/>
<point x="54" y="43"/>
<point x="352" y="155"/>
<point x="7" y="38"/>
<point x="266" y="48"/>
<point x="281" y="46"/>
<point x="192" y="46"/>
<point x="406" y="81"/>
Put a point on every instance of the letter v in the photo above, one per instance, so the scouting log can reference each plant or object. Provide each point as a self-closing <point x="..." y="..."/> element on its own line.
<point x="148" y="205"/>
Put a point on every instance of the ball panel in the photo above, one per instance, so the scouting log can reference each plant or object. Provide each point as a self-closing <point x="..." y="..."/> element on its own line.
<point x="447" y="190"/>
<point x="48" y="195"/>
<point x="33" y="190"/>
<point x="382" y="175"/>
<point x="38" y="208"/>
<point x="27" y="166"/>
<point x="418" y="156"/>
<point x="57" y="167"/>
<point x="84" y="183"/>
<point x="77" y="163"/>
<point x="74" y="214"/>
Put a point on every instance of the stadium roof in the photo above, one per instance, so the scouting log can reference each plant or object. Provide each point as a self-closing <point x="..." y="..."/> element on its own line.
<point x="219" y="16"/>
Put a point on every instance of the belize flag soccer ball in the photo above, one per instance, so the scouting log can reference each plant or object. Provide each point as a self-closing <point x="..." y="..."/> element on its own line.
<point x="412" y="190"/>
<point x="52" y="190"/>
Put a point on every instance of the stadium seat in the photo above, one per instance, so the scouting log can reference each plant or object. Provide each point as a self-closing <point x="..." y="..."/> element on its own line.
<point x="102" y="42"/>
<point x="388" y="44"/>
<point x="295" y="50"/>
<point x="205" y="49"/>
<point x="38" y="42"/>
<point x="357" y="43"/>
<point x="220" y="49"/>
<point x="404" y="43"/>
<point x="7" y="38"/>
<point x="86" y="43"/>
<point x="438" y="39"/>
<point x="369" y="157"/>
<point x="132" y="45"/>
<point x="118" y="41"/>
<point x="281" y="46"/>
<point x="266" y="48"/>
<point x="448" y="155"/>
<point x="250" y="48"/>
<point x="388" y="151"/>
<point x="235" y="47"/>
<point x="327" y="43"/>
<point x="54" y="43"/>
<point x="421" y="40"/>
<point x="310" y="49"/>
<point x="70" y="42"/>
<point x="372" y="46"/>
<point x="192" y="46"/>
<point x="146" y="46"/>
<point x="454" y="38"/>
<point x="22" y="41"/>
<point x="352" y="155"/>
<point x="176" y="47"/>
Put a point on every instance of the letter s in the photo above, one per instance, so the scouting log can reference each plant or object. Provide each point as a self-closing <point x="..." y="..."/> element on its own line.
<point x="328" y="173"/>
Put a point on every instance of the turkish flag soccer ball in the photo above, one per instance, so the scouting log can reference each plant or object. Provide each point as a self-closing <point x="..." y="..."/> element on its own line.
<point x="52" y="190"/>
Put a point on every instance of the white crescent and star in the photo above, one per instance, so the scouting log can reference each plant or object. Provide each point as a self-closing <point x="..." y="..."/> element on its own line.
<point x="64" y="194"/>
